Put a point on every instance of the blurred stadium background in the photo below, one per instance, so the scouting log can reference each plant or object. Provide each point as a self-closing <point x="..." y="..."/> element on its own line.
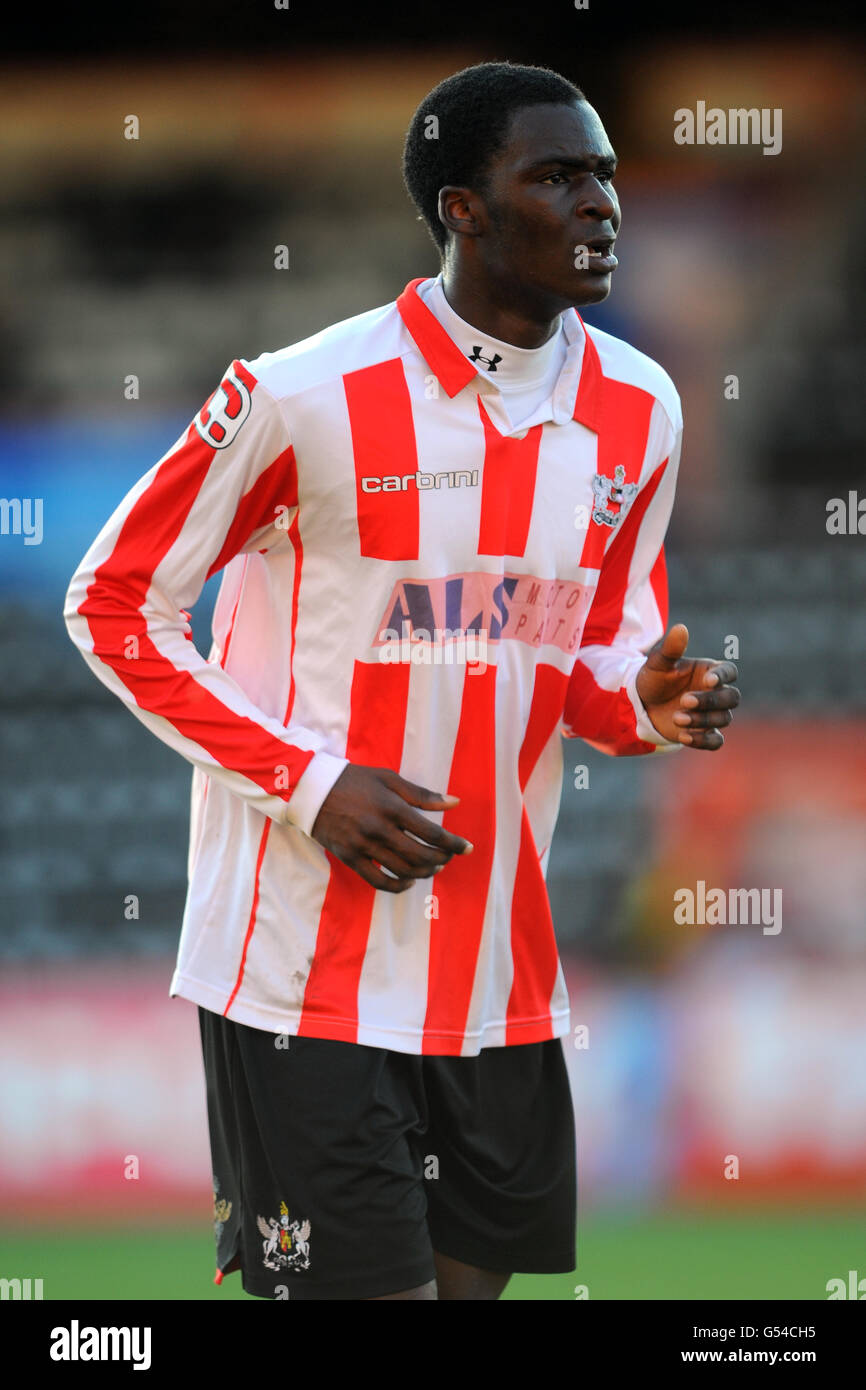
<point x="155" y="257"/>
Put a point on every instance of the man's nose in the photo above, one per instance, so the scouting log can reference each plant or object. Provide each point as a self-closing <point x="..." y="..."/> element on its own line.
<point x="597" y="202"/>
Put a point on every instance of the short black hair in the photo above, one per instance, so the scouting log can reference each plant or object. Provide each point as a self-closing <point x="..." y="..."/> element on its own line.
<point x="472" y="110"/>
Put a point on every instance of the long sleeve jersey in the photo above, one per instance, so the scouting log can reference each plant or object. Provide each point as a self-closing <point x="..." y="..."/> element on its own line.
<point x="408" y="582"/>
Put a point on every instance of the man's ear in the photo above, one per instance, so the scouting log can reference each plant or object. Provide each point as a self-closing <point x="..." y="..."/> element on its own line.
<point x="461" y="211"/>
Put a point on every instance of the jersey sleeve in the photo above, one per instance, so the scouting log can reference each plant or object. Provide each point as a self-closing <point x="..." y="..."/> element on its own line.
<point x="629" y="613"/>
<point x="219" y="491"/>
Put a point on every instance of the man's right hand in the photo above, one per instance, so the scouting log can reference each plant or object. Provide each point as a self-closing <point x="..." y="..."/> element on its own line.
<point x="368" y="821"/>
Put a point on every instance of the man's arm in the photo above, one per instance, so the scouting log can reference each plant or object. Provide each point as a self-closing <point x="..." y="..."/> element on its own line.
<point x="218" y="492"/>
<point x="628" y="614"/>
<point x="619" y="699"/>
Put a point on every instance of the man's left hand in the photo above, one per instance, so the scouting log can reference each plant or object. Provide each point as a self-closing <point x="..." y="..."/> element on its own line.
<point x="688" y="701"/>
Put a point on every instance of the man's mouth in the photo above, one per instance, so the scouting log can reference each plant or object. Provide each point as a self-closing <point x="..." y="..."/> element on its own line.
<point x="600" y="255"/>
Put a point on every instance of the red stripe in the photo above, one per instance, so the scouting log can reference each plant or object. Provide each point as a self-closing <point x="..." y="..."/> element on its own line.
<point x="623" y="419"/>
<point x="297" y="545"/>
<point x="588" y="404"/>
<point x="462" y="887"/>
<point x="251" y="924"/>
<point x="380" y="695"/>
<point x="276" y="486"/>
<point x="659" y="582"/>
<point x="112" y="610"/>
<point x="604" y="718"/>
<point x="533" y="943"/>
<point x="605" y="616"/>
<point x="441" y="353"/>
<point x="545" y="712"/>
<point x="508" y="489"/>
<point x="383" y="441"/>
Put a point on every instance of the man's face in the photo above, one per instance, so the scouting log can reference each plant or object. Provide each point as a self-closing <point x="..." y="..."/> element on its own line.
<point x="549" y="194"/>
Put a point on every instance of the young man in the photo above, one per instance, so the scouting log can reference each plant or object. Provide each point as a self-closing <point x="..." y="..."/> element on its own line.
<point x="441" y="529"/>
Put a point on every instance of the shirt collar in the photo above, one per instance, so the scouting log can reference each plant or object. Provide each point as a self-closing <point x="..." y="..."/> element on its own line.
<point x="506" y="366"/>
<point x="455" y="371"/>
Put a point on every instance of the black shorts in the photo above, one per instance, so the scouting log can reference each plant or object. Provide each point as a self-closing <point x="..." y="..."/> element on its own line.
<point x="338" y="1168"/>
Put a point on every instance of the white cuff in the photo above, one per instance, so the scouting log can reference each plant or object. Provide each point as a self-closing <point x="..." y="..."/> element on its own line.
<point x="315" y="782"/>
<point x="646" y="730"/>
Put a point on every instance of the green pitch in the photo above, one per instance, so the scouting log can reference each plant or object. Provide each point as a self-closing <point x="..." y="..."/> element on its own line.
<point x="670" y="1255"/>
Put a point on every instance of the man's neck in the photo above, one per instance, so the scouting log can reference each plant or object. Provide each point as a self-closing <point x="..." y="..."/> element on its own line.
<point x="492" y="309"/>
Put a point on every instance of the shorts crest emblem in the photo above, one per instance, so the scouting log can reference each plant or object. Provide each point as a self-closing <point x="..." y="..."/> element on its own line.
<point x="286" y="1244"/>
<point x="222" y="1209"/>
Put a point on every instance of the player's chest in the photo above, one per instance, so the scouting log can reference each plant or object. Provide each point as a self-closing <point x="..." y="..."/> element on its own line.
<point x="450" y="488"/>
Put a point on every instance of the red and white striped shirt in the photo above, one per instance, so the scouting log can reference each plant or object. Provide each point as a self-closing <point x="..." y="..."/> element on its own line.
<point x="408" y="582"/>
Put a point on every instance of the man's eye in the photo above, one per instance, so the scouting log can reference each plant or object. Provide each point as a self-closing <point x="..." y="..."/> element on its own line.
<point x="605" y="176"/>
<point x="556" y="174"/>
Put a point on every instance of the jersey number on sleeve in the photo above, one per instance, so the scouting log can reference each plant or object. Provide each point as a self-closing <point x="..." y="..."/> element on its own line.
<point x="221" y="417"/>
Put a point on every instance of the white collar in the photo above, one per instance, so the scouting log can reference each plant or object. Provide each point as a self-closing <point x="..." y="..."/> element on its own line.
<point x="510" y="368"/>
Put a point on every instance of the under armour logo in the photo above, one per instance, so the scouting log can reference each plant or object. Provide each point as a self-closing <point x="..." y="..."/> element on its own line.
<point x="476" y="355"/>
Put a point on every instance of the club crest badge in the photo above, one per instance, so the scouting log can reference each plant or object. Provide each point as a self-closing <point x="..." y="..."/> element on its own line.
<point x="286" y="1244"/>
<point x="612" y="496"/>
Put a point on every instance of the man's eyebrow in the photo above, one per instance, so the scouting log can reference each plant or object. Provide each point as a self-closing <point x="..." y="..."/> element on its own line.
<point x="608" y="159"/>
